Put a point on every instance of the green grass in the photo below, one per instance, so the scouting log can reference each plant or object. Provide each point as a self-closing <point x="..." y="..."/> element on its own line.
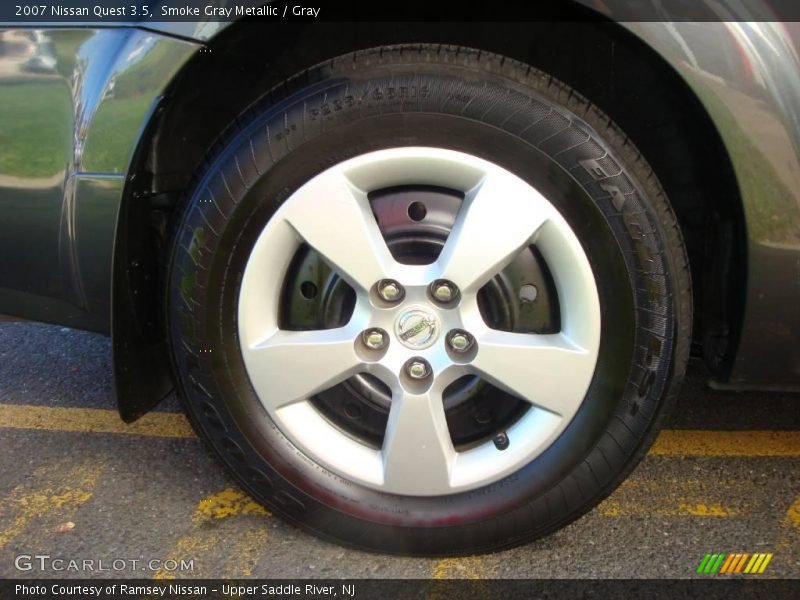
<point x="36" y="118"/>
<point x="113" y="133"/>
<point x="35" y="129"/>
<point x="66" y="43"/>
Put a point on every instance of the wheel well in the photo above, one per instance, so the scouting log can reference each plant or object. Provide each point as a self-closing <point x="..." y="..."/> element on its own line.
<point x="601" y="60"/>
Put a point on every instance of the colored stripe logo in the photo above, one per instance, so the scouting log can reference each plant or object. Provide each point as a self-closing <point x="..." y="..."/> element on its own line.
<point x="735" y="562"/>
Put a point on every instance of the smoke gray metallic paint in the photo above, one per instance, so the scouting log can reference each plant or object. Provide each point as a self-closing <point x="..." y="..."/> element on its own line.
<point x="747" y="76"/>
<point x="73" y="103"/>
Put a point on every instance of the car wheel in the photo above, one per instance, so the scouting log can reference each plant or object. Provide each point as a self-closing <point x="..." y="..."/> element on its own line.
<point x="427" y="300"/>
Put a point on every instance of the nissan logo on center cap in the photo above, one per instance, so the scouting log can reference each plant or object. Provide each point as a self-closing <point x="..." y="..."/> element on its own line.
<point x="417" y="328"/>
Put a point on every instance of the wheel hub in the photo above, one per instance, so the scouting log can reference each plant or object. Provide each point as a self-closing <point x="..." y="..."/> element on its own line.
<point x="417" y="328"/>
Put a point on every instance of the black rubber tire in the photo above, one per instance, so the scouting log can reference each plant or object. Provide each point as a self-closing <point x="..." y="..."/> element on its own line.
<point x="510" y="114"/>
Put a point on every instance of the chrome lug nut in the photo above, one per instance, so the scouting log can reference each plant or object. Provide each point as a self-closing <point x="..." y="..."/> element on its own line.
<point x="460" y="341"/>
<point x="391" y="291"/>
<point x="418" y="369"/>
<point x="501" y="441"/>
<point x="375" y="339"/>
<point x="528" y="293"/>
<point x="444" y="291"/>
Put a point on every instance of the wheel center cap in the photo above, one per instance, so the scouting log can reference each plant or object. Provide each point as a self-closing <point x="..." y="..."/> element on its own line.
<point x="417" y="328"/>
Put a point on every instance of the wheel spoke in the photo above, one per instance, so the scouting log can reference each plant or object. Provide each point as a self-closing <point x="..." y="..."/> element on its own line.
<point x="335" y="219"/>
<point x="498" y="219"/>
<point x="290" y="366"/>
<point x="549" y="371"/>
<point x="417" y="451"/>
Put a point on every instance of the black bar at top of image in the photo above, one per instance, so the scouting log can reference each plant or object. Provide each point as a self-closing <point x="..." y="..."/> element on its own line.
<point x="712" y="588"/>
<point x="142" y="12"/>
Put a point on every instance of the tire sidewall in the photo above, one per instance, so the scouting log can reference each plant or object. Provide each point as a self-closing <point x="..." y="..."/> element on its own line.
<point x="341" y="116"/>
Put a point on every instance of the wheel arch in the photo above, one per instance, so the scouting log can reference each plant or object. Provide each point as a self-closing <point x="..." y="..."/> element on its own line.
<point x="239" y="63"/>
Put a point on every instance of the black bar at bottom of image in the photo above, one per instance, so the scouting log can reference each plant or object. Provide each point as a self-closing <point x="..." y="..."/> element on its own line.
<point x="387" y="589"/>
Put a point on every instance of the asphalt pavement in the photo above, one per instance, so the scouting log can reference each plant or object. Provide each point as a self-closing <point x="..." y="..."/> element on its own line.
<point x="76" y="484"/>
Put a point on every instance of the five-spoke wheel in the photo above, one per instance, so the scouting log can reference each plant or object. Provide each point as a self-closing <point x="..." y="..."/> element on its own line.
<point x="418" y="328"/>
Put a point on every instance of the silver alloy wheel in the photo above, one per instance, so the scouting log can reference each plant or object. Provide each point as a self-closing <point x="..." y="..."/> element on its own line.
<point x="500" y="216"/>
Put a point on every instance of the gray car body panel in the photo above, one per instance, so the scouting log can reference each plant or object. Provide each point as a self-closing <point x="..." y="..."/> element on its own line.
<point x="75" y="102"/>
<point x="746" y="75"/>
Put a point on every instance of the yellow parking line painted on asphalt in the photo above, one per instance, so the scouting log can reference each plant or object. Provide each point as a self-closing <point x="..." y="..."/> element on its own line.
<point x="48" y="500"/>
<point x="92" y="420"/>
<point x="678" y="498"/>
<point x="227" y="503"/>
<point x="685" y="442"/>
<point x="242" y="549"/>
<point x="671" y="442"/>
<point x="792" y="518"/>
<point x="787" y="548"/>
<point x="615" y="508"/>
<point x="469" y="567"/>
